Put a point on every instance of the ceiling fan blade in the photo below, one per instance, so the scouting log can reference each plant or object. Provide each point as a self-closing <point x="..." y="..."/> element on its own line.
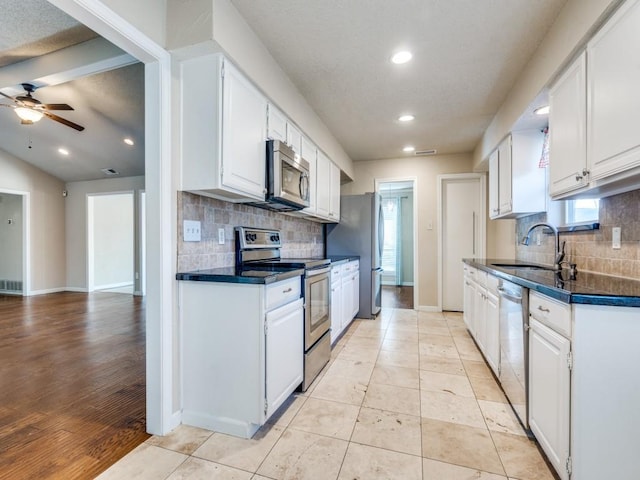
<point x="63" y="121"/>
<point x="7" y="96"/>
<point x="57" y="106"/>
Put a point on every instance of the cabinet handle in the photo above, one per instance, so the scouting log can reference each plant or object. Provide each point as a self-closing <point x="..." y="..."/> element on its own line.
<point x="542" y="309"/>
<point x="287" y="290"/>
<point x="585" y="172"/>
<point x="578" y="178"/>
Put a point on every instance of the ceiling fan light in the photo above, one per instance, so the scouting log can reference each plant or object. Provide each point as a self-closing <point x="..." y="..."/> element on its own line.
<point x="28" y="114"/>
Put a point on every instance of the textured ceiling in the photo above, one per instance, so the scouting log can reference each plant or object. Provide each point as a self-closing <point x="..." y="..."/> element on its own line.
<point x="109" y="104"/>
<point x="467" y="56"/>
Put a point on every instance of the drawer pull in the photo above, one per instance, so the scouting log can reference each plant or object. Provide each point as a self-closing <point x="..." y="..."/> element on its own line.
<point x="542" y="309"/>
<point x="287" y="290"/>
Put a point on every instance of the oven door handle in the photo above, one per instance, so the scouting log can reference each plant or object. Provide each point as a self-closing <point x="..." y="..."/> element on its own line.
<point x="317" y="271"/>
<point x="509" y="296"/>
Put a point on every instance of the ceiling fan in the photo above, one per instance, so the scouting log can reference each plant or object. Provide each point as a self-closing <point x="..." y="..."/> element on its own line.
<point x="31" y="110"/>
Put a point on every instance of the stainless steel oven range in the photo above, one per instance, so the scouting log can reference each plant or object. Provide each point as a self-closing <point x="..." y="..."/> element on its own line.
<point x="257" y="249"/>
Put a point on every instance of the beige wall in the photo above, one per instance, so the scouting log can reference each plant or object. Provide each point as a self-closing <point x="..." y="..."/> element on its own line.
<point x="197" y="26"/>
<point x="426" y="171"/>
<point x="76" y="223"/>
<point x="568" y="34"/>
<point x="47" y="216"/>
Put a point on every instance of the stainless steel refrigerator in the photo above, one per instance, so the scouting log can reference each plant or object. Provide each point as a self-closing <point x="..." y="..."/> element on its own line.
<point x="361" y="232"/>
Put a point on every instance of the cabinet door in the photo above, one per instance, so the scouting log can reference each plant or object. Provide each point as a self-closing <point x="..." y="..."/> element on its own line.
<point x="567" y="123"/>
<point x="504" y="176"/>
<point x="310" y="154"/>
<point x="276" y="124"/>
<point x="494" y="205"/>
<point x="323" y="184"/>
<point x="284" y="353"/>
<point x="334" y="192"/>
<point x="614" y="98"/>
<point x="243" y="135"/>
<point x="492" y="333"/>
<point x="336" y="308"/>
<point x="294" y="138"/>
<point x="549" y="390"/>
<point x="479" y="326"/>
<point x="347" y="298"/>
<point x="355" y="294"/>
<point x="469" y="304"/>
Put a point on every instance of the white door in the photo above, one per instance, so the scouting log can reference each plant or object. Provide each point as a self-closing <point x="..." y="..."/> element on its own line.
<point x="462" y="220"/>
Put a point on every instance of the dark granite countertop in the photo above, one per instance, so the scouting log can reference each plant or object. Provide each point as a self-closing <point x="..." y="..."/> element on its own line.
<point x="235" y="275"/>
<point x="338" y="259"/>
<point x="586" y="288"/>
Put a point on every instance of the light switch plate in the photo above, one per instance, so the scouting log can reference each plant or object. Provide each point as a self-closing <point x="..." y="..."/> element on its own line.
<point x="191" y="231"/>
<point x="221" y="236"/>
<point x="616" y="233"/>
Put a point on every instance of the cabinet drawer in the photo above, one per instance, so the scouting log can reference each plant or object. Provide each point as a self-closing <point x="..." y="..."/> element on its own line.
<point x="469" y="272"/>
<point x="351" y="267"/>
<point x="492" y="284"/>
<point x="555" y="315"/>
<point x="283" y="292"/>
<point x="336" y="272"/>
<point x="481" y="278"/>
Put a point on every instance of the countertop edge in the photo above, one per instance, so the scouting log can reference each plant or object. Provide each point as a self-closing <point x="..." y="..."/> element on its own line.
<point x="222" y="278"/>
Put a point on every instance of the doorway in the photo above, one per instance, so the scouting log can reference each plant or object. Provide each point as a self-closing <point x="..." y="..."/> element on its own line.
<point x="13" y="242"/>
<point x="398" y="257"/>
<point x="461" y="223"/>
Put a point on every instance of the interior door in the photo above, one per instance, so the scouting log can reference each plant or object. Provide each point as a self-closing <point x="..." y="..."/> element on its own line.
<point x="463" y="215"/>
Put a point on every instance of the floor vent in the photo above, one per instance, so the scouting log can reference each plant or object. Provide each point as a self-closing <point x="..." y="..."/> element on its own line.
<point x="11" y="285"/>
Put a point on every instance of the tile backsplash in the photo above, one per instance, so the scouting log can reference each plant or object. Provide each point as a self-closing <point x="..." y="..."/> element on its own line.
<point x="300" y="237"/>
<point x="591" y="250"/>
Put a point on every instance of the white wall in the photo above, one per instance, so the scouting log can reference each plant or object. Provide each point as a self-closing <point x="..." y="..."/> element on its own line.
<point x="568" y="33"/>
<point x="113" y="240"/>
<point x="47" y="270"/>
<point x="216" y="25"/>
<point x="11" y="236"/>
<point x="76" y="225"/>
<point x="426" y="170"/>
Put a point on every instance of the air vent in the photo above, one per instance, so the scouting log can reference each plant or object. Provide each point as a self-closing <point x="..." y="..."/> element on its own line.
<point x="109" y="171"/>
<point x="433" y="151"/>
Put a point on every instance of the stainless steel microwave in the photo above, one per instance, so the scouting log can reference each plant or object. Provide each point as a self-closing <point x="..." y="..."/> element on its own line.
<point x="287" y="179"/>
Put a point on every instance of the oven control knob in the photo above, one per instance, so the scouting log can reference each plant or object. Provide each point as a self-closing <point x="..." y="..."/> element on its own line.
<point x="274" y="238"/>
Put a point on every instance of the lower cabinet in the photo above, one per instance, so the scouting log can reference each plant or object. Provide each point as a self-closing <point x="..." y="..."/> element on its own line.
<point x="492" y="332"/>
<point x="549" y="393"/>
<point x="345" y="296"/>
<point x="243" y="352"/>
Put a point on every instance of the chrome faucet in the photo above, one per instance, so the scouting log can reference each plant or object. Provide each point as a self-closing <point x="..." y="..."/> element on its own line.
<point x="559" y="251"/>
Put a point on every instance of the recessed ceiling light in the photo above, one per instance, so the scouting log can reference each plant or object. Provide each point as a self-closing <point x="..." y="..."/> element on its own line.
<point x="63" y="151"/>
<point x="401" y="57"/>
<point x="542" y="110"/>
<point x="408" y="148"/>
<point x="128" y="141"/>
<point x="406" y="118"/>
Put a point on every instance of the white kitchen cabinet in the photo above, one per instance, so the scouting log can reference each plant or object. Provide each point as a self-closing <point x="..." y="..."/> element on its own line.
<point x="480" y="312"/>
<point x="223" y="130"/>
<point x="517" y="186"/>
<point x="469" y="294"/>
<point x="613" y="98"/>
<point x="310" y="154"/>
<point x="243" y="352"/>
<point x="336" y="302"/>
<point x="294" y="137"/>
<point x="323" y="186"/>
<point x="334" y="192"/>
<point x="494" y="205"/>
<point x="549" y="393"/>
<point x="568" y="170"/>
<point x="492" y="332"/>
<point x="355" y="293"/>
<point x="276" y="124"/>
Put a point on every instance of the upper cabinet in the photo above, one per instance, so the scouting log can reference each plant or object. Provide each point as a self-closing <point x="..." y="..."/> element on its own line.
<point x="294" y="137"/>
<point x="594" y="147"/>
<point x="310" y="154"/>
<point x="613" y="100"/>
<point x="223" y="131"/>
<point x="323" y="185"/>
<point x="276" y="124"/>
<point x="517" y="186"/>
<point x="567" y="124"/>
<point x="334" y="193"/>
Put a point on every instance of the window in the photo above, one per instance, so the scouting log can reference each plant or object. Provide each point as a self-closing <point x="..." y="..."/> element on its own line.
<point x="582" y="210"/>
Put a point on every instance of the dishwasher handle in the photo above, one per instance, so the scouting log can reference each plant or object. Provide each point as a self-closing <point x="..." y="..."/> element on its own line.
<point x="510" y="295"/>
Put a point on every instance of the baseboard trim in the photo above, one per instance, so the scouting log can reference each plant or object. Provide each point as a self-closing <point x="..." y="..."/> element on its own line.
<point x="47" y="290"/>
<point x="429" y="308"/>
<point x="113" y="285"/>
<point x="407" y="284"/>
<point x="76" y="289"/>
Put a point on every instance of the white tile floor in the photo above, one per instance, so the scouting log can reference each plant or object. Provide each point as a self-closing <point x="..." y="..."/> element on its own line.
<point x="406" y="396"/>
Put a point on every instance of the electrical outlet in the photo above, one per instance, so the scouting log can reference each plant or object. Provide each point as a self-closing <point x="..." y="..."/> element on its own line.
<point x="538" y="238"/>
<point x="616" y="233"/>
<point x="221" y="236"/>
<point x="191" y="231"/>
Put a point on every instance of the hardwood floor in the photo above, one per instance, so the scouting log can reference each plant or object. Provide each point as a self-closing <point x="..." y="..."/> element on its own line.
<point x="397" y="296"/>
<point x="72" y="383"/>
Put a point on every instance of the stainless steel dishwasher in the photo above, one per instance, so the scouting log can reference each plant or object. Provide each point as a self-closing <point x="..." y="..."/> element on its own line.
<point x="514" y="347"/>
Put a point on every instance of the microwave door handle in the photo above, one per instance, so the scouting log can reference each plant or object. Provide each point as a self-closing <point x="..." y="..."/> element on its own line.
<point x="304" y="186"/>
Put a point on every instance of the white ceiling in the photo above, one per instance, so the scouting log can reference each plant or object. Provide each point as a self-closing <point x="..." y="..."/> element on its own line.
<point x="467" y="56"/>
<point x="109" y="104"/>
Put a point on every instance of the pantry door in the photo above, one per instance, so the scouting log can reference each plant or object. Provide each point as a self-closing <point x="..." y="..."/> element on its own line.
<point x="461" y="223"/>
